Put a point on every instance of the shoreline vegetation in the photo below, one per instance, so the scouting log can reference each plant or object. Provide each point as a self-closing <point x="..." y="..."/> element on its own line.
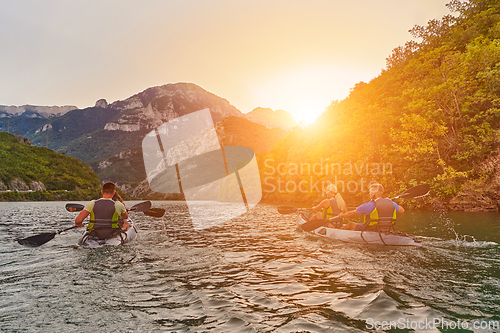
<point x="30" y="173"/>
<point x="54" y="195"/>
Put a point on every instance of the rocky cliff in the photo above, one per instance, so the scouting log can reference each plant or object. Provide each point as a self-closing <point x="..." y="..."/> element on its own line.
<point x="157" y="105"/>
<point x="20" y="185"/>
<point x="107" y="129"/>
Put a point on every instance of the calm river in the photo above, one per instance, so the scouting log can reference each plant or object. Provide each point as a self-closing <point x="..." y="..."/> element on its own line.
<point x="256" y="273"/>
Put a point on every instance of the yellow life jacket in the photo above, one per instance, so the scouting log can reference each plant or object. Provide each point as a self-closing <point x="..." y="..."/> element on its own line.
<point x="104" y="215"/>
<point x="331" y="211"/>
<point x="384" y="211"/>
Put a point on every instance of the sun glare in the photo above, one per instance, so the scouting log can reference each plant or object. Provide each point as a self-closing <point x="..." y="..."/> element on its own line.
<point x="306" y="93"/>
<point x="307" y="109"/>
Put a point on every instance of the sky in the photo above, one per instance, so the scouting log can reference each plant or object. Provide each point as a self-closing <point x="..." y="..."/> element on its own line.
<point x="294" y="55"/>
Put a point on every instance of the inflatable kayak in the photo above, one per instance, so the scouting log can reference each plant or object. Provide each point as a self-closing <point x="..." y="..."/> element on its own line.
<point x="363" y="237"/>
<point x="120" y="238"/>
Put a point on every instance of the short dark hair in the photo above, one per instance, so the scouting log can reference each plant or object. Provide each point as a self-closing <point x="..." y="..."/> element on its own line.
<point x="109" y="187"/>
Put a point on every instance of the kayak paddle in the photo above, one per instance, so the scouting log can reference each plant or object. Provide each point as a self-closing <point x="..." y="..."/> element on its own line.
<point x="41" y="239"/>
<point x="73" y="207"/>
<point x="413" y="192"/>
<point x="313" y="224"/>
<point x="155" y="212"/>
<point x="144" y="207"/>
<point x="290" y="209"/>
<point x="140" y="207"/>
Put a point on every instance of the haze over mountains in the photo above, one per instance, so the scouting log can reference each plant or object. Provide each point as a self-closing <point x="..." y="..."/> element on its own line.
<point x="272" y="119"/>
<point x="109" y="136"/>
<point x="34" y="111"/>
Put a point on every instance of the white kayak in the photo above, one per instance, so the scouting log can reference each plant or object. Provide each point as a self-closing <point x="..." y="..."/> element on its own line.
<point x="124" y="237"/>
<point x="364" y="237"/>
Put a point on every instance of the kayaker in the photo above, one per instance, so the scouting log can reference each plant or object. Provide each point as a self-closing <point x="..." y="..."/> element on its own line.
<point x="332" y="206"/>
<point x="106" y="215"/>
<point x="373" y="211"/>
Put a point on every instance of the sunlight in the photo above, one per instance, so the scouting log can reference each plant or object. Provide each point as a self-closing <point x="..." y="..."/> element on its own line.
<point x="305" y="93"/>
<point x="307" y="108"/>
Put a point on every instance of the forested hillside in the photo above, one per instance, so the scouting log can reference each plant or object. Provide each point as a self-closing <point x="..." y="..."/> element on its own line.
<point x="432" y="115"/>
<point x="36" y="173"/>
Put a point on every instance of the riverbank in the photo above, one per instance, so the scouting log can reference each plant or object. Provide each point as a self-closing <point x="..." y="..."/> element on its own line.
<point x="459" y="204"/>
<point x="58" y="195"/>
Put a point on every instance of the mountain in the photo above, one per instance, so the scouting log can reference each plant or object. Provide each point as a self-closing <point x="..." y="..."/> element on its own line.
<point x="108" y="136"/>
<point x="235" y="131"/>
<point x="157" y="105"/>
<point x="271" y="119"/>
<point x="24" y="167"/>
<point x="106" y="129"/>
<point x="33" y="111"/>
<point x="127" y="167"/>
<point x="120" y="123"/>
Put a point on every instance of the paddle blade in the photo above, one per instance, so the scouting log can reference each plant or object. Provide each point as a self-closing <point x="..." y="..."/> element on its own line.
<point x="314" y="224"/>
<point x="141" y="207"/>
<point x="155" y="212"/>
<point x="37" y="240"/>
<point x="72" y="207"/>
<point x="416" y="191"/>
<point x="287" y="209"/>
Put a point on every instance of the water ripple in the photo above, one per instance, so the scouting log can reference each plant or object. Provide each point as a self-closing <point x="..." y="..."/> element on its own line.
<point x="256" y="273"/>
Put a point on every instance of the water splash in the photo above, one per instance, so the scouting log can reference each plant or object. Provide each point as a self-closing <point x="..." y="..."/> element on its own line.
<point x="468" y="241"/>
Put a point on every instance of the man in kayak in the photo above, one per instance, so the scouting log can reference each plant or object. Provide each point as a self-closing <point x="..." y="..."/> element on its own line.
<point x="332" y="206"/>
<point x="106" y="215"/>
<point x="378" y="209"/>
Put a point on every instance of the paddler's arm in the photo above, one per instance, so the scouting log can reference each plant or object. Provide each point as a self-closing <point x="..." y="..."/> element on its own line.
<point x="352" y="213"/>
<point x="323" y="205"/>
<point x="125" y="224"/>
<point x="79" y="219"/>
<point x="123" y="216"/>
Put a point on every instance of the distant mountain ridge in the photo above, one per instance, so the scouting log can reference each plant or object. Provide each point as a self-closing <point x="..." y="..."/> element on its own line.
<point x="107" y="129"/>
<point x="34" y="111"/>
<point x="145" y="110"/>
<point x="109" y="136"/>
<point x="272" y="119"/>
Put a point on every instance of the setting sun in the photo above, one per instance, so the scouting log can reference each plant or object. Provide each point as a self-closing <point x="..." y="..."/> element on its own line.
<point x="307" y="109"/>
<point x="305" y="93"/>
